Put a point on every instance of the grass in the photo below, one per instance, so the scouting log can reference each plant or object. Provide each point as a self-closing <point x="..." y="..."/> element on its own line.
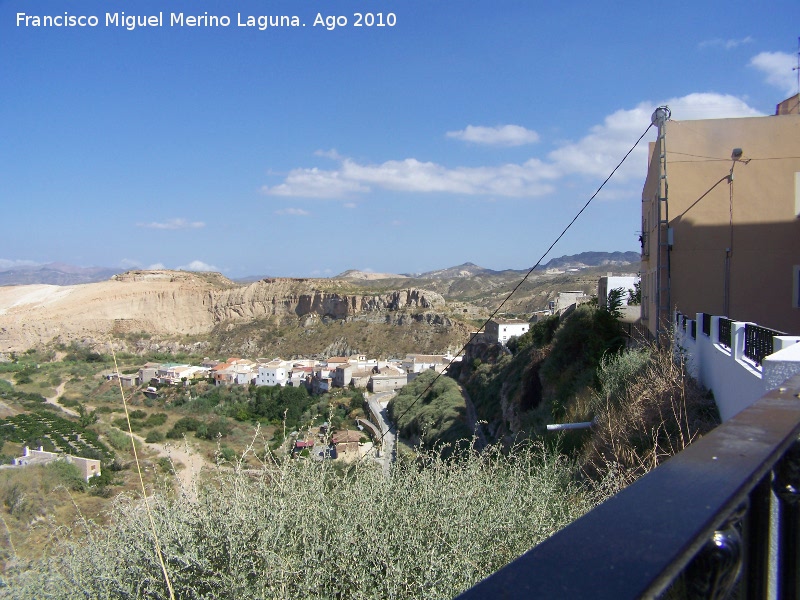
<point x="646" y="410"/>
<point x="299" y="529"/>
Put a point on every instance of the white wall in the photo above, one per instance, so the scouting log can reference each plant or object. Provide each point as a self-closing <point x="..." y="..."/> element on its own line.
<point x="735" y="380"/>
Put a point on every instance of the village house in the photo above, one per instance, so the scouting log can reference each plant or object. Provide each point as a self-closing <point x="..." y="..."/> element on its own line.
<point x="502" y="330"/>
<point x="416" y="363"/>
<point x="148" y="372"/>
<point x="275" y="372"/>
<point x="88" y="467"/>
<point x="387" y="379"/>
<point x="347" y="444"/>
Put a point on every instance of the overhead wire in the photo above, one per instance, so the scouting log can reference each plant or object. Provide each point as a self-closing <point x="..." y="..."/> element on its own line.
<point x="516" y="287"/>
<point x="156" y="542"/>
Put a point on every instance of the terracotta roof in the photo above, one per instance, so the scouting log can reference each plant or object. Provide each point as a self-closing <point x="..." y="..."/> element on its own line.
<point x="344" y="437"/>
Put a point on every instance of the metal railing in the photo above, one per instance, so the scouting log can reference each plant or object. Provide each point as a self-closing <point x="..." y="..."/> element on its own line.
<point x="725" y="326"/>
<point x="701" y="519"/>
<point x="758" y="342"/>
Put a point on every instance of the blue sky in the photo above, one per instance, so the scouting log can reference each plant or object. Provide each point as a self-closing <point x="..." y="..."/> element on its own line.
<point x="468" y="131"/>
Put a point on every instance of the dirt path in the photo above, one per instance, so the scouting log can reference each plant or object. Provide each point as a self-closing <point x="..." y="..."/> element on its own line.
<point x="54" y="400"/>
<point x="179" y="452"/>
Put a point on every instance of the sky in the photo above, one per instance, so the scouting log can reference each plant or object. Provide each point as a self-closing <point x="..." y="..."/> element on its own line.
<point x="392" y="136"/>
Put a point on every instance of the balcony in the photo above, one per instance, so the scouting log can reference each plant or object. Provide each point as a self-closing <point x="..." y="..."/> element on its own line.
<point x="703" y="521"/>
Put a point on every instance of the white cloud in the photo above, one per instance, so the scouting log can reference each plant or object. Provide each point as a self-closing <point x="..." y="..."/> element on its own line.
<point x="349" y="205"/>
<point x="314" y="183"/>
<point x="296" y="212"/>
<point x="197" y="265"/>
<point x="502" y="135"/>
<point x="6" y="264"/>
<point x="594" y="155"/>
<point x="156" y="267"/>
<point x="777" y="66"/>
<point x="332" y="154"/>
<point x="598" y="152"/>
<point x="411" y="175"/>
<point x="726" y="44"/>
<point x="173" y="224"/>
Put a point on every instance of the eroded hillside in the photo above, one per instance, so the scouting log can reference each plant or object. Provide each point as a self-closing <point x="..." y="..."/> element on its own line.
<point x="165" y="304"/>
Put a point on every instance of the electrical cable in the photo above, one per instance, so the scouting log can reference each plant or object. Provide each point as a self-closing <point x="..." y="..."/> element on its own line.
<point x="513" y="291"/>
<point x="141" y="481"/>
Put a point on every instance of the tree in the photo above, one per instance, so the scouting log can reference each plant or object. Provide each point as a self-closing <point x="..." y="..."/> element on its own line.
<point x="614" y="302"/>
<point x="635" y="295"/>
<point x="85" y="417"/>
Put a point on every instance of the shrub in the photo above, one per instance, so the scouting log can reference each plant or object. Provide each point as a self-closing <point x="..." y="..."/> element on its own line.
<point x="156" y="420"/>
<point x="647" y="409"/>
<point x="216" y="428"/>
<point x="182" y="426"/>
<point x="154" y="436"/>
<point x="68" y="474"/>
<point x="444" y="526"/>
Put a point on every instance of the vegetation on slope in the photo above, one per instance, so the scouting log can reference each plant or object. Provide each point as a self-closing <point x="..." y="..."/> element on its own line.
<point x="643" y="404"/>
<point x="298" y="530"/>
<point x="435" y="418"/>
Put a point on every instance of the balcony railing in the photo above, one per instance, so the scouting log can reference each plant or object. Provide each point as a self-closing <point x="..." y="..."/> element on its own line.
<point x="707" y="324"/>
<point x="701" y="519"/>
<point x="725" y="332"/>
<point x="758" y="342"/>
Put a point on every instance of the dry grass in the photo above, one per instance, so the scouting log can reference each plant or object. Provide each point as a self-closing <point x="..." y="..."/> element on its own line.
<point x="648" y="410"/>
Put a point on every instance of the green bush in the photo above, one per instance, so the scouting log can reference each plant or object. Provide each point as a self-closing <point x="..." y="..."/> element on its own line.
<point x="68" y="474"/>
<point x="154" y="436"/>
<point x="183" y="426"/>
<point x="435" y="417"/>
<point x="216" y="428"/>
<point x="156" y="420"/>
<point x="444" y="526"/>
<point x="578" y="346"/>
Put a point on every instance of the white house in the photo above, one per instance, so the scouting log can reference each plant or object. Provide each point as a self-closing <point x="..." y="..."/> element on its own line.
<point x="606" y="284"/>
<point x="275" y="372"/>
<point x="502" y="330"/>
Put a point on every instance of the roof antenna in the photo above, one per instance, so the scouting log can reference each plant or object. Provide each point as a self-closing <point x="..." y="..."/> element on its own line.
<point x="797" y="68"/>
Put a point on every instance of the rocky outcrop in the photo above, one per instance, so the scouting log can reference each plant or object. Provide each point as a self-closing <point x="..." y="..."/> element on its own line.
<point x="271" y="297"/>
<point x="180" y="303"/>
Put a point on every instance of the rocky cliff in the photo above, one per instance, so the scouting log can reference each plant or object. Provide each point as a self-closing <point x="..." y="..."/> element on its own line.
<point x="164" y="303"/>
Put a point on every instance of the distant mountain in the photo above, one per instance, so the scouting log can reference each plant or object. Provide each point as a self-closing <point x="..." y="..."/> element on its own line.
<point x="576" y="261"/>
<point x="466" y="270"/>
<point x="251" y="278"/>
<point x="55" y="274"/>
<point x="594" y="259"/>
<point x="367" y="275"/>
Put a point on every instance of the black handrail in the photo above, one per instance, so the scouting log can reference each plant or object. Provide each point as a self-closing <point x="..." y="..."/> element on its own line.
<point x="725" y="326"/>
<point x="682" y="520"/>
<point x="706" y="324"/>
<point x="758" y="342"/>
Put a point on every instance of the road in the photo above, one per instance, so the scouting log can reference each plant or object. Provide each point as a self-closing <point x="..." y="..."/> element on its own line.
<point x="388" y="452"/>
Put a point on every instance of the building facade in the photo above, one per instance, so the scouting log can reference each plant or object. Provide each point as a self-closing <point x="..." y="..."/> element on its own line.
<point x="502" y="330"/>
<point x="721" y="221"/>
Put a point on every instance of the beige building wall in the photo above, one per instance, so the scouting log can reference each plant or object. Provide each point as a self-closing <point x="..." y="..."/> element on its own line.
<point x="752" y="219"/>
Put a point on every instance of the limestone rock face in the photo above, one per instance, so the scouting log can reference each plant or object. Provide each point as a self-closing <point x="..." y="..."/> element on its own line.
<point x="178" y="303"/>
